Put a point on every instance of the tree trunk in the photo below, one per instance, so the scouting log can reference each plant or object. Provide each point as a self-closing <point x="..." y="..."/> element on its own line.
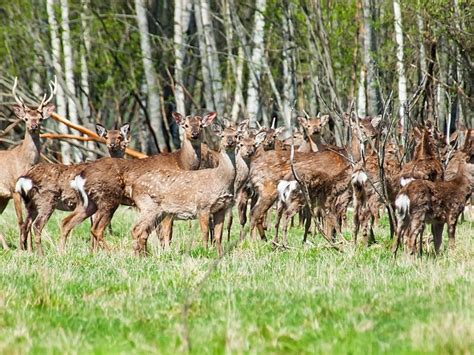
<point x="255" y="70"/>
<point x="402" y="81"/>
<point x="179" y="56"/>
<point x="85" y="51"/>
<point x="61" y="107"/>
<point x="289" y="66"/>
<point x="369" y="50"/>
<point x="212" y="58"/>
<point x="69" y="71"/>
<point x="443" y="63"/>
<point x="206" y="73"/>
<point x="154" y="106"/>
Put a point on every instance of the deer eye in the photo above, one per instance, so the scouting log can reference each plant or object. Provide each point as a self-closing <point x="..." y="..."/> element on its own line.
<point x="186" y="125"/>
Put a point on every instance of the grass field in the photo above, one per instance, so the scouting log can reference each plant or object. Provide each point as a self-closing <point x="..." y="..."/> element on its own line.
<point x="304" y="300"/>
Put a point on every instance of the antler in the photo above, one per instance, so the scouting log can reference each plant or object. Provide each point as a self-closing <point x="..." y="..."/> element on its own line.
<point x="52" y="88"/>
<point x="18" y="99"/>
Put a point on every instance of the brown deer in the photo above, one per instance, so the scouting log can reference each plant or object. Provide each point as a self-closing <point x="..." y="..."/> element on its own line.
<point x="18" y="160"/>
<point x="437" y="203"/>
<point x="46" y="187"/>
<point x="116" y="140"/>
<point x="157" y="193"/>
<point x="312" y="131"/>
<point x="109" y="183"/>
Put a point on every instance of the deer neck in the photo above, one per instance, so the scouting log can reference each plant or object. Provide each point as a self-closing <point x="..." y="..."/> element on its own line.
<point x="30" y="148"/>
<point x="190" y="154"/>
<point x="227" y="165"/>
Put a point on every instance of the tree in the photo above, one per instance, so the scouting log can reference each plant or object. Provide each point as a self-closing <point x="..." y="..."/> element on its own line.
<point x="402" y="80"/>
<point x="153" y="88"/>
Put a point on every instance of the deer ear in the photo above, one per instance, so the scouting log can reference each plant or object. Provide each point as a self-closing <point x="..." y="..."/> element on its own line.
<point x="125" y="130"/>
<point x="178" y="117"/>
<point x="259" y="138"/>
<point x="19" y="111"/>
<point x="227" y="123"/>
<point x="324" y="120"/>
<point x="302" y="121"/>
<point x="101" y="131"/>
<point x="207" y="120"/>
<point x="48" y="111"/>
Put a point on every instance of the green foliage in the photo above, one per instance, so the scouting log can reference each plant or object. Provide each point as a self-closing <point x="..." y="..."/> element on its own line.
<point x="304" y="300"/>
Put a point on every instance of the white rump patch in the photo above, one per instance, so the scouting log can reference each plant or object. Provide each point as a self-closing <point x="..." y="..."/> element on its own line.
<point x="285" y="188"/>
<point x="78" y="184"/>
<point x="359" y="177"/>
<point x="404" y="182"/>
<point x="402" y="205"/>
<point x="23" y="185"/>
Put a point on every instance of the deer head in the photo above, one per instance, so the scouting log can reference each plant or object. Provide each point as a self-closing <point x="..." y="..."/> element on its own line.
<point x="33" y="117"/>
<point x="116" y="140"/>
<point x="313" y="126"/>
<point x="193" y="125"/>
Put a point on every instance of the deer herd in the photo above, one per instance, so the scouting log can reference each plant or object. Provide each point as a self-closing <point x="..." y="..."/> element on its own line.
<point x="254" y="167"/>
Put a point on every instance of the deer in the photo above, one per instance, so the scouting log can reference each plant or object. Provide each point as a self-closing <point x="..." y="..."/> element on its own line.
<point x="17" y="161"/>
<point x="157" y="193"/>
<point x="46" y="187"/>
<point x="434" y="202"/>
<point x="96" y="179"/>
<point x="312" y="131"/>
<point x="311" y="185"/>
<point x="116" y="140"/>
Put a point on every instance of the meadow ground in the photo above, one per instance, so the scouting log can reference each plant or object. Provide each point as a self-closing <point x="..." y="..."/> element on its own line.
<point x="309" y="299"/>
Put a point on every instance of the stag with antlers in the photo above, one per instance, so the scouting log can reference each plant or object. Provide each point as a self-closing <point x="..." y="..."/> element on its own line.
<point x="17" y="161"/>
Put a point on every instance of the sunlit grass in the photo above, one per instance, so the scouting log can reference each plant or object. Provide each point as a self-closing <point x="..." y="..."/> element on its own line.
<point x="303" y="300"/>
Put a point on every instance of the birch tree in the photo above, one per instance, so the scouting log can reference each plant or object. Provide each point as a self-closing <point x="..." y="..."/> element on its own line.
<point x="402" y="81"/>
<point x="369" y="49"/>
<point x="154" y="105"/>
<point x="206" y="73"/>
<point x="255" y="72"/>
<point x="179" y="56"/>
<point x="69" y="70"/>
<point x="61" y="107"/>
<point x="289" y="66"/>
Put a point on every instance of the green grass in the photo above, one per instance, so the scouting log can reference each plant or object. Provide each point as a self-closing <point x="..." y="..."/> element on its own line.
<point x="304" y="300"/>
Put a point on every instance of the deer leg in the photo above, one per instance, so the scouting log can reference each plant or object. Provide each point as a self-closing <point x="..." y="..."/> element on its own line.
<point x="204" y="225"/>
<point x="437" y="230"/>
<point x="229" y="222"/>
<point x="242" y="203"/>
<point x="98" y="229"/>
<point x="452" y="234"/>
<point x="307" y="224"/>
<point x="76" y="217"/>
<point x="218" y="229"/>
<point x="166" y="230"/>
<point x="258" y="214"/>
<point x="148" y="219"/>
<point x="280" y="209"/>
<point x="18" y="209"/>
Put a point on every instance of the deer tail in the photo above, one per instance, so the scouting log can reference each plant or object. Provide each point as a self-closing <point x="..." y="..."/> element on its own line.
<point x="24" y="186"/>
<point x="78" y="184"/>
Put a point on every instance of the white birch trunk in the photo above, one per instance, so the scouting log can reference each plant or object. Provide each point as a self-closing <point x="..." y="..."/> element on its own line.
<point x="255" y="72"/>
<point x="85" y="51"/>
<point x="69" y="71"/>
<point x="206" y="74"/>
<point x="373" y="95"/>
<point x="443" y="63"/>
<point x="361" y="98"/>
<point x="402" y="81"/>
<point x="61" y="107"/>
<point x="154" y="105"/>
<point x="211" y="57"/>
<point x="179" y="56"/>
<point x="238" y="104"/>
<point x="421" y="30"/>
<point x="289" y="80"/>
